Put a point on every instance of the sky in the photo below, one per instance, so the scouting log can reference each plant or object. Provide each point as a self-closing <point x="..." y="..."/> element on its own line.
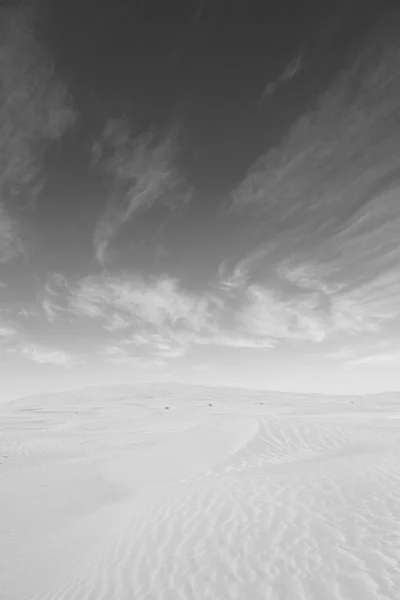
<point x="221" y="208"/>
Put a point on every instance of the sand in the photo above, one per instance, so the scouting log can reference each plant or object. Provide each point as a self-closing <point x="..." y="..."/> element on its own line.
<point x="105" y="494"/>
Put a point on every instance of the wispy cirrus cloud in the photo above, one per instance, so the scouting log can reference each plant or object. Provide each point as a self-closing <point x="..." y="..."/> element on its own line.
<point x="123" y="302"/>
<point x="55" y="286"/>
<point x="310" y="301"/>
<point x="11" y="244"/>
<point x="111" y="351"/>
<point x="45" y="355"/>
<point x="370" y="305"/>
<point x="383" y="359"/>
<point x="334" y="162"/>
<point x="120" y="355"/>
<point x="9" y="327"/>
<point x="7" y="332"/>
<point x="143" y="171"/>
<point x="235" y="340"/>
<point x="51" y="309"/>
<point x="266" y="314"/>
<point x="326" y="202"/>
<point x="229" y="282"/>
<point x="328" y="164"/>
<point x="291" y="70"/>
<point x="15" y="342"/>
<point x="27" y="312"/>
<point x="310" y="51"/>
<point x="157" y="318"/>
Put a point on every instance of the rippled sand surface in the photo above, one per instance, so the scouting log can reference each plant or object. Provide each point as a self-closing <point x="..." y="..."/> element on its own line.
<point x="107" y="494"/>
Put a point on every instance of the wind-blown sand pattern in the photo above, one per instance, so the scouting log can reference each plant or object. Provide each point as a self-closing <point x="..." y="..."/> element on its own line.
<point x="105" y="495"/>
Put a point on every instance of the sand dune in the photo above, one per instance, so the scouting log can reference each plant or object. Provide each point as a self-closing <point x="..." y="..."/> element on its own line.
<point x="228" y="494"/>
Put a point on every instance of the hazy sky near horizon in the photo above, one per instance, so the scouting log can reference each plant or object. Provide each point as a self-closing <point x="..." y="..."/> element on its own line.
<point x="225" y="209"/>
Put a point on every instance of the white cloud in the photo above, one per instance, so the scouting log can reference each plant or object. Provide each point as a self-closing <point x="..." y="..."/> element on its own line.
<point x="234" y="340"/>
<point x="121" y="302"/>
<point x="298" y="302"/>
<point x="330" y="190"/>
<point x="56" y="282"/>
<point x="27" y="312"/>
<point x="290" y="71"/>
<point x="317" y="302"/>
<point x="55" y="290"/>
<point x="368" y="305"/>
<point x="111" y="351"/>
<point x="51" y="309"/>
<point x="309" y="276"/>
<point x="229" y="283"/>
<point x="163" y="319"/>
<point x="267" y="315"/>
<point x="83" y="303"/>
<point x="135" y="361"/>
<point x="170" y="352"/>
<point x="384" y="359"/>
<point x="143" y="353"/>
<point x="7" y="331"/>
<point x="43" y="355"/>
<point x="117" y="322"/>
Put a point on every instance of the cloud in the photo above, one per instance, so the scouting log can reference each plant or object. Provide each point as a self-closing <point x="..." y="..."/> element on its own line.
<point x="157" y="317"/>
<point x="366" y="307"/>
<point x="266" y="314"/>
<point x="234" y="340"/>
<point x="27" y="312"/>
<point x="230" y="282"/>
<point x="121" y="356"/>
<point x="384" y="359"/>
<point x="123" y="302"/>
<point x="143" y="172"/>
<point x="354" y="273"/>
<point x="111" y="351"/>
<point x="169" y="352"/>
<point x="310" y="301"/>
<point x="56" y="285"/>
<point x="7" y="332"/>
<point x="155" y="354"/>
<point x="133" y="361"/>
<point x="43" y="355"/>
<point x="11" y="244"/>
<point x="291" y="70"/>
<point x="326" y="202"/>
<point x="176" y="343"/>
<point x="309" y="51"/>
<point x="308" y="276"/>
<point x="9" y="329"/>
<point x="114" y="321"/>
<point x="51" y="309"/>
<point x="35" y="107"/>
<point x="297" y="301"/>
<point x="331" y="185"/>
